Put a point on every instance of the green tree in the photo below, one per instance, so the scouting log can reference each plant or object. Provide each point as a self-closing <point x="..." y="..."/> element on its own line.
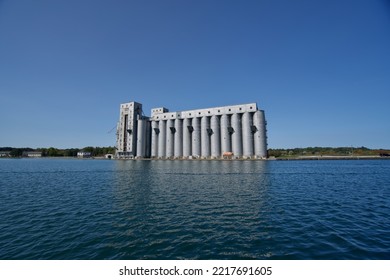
<point x="18" y="152"/>
<point x="52" y="152"/>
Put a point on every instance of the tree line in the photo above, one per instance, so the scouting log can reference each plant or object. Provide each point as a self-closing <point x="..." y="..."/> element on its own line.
<point x="55" y="152"/>
<point x="329" y="151"/>
<point x="309" y="151"/>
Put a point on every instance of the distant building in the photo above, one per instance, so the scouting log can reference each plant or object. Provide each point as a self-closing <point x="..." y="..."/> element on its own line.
<point x="83" y="154"/>
<point x="5" y="154"/>
<point x="235" y="132"/>
<point x="33" y="154"/>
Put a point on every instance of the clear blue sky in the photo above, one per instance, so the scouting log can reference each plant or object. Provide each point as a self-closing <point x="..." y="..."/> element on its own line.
<point x="319" y="68"/>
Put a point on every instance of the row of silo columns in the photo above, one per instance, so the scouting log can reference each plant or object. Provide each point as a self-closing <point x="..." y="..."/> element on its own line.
<point x="244" y="135"/>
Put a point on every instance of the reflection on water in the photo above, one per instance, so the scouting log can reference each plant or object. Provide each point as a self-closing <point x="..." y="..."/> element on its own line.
<point x="190" y="209"/>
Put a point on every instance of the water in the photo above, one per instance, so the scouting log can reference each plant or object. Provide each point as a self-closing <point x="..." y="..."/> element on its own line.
<point x="101" y="209"/>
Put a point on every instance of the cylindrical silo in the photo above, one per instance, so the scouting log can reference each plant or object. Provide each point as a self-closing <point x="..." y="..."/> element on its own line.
<point x="247" y="136"/>
<point x="187" y="137"/>
<point x="226" y="145"/>
<point x="178" y="152"/>
<point x="205" y="137"/>
<point x="162" y="126"/>
<point x="170" y="138"/>
<point x="154" y="144"/>
<point x="237" y="135"/>
<point x="215" y="137"/>
<point x="260" y="136"/>
<point x="196" y="138"/>
<point x="141" y="139"/>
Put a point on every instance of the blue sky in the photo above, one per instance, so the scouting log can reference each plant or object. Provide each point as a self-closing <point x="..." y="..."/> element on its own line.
<point x="320" y="69"/>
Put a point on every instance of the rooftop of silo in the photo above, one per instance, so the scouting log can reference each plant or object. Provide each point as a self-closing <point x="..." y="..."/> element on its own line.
<point x="163" y="113"/>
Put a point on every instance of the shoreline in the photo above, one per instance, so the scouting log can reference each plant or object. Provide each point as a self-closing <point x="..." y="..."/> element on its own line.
<point x="276" y="159"/>
<point x="323" y="157"/>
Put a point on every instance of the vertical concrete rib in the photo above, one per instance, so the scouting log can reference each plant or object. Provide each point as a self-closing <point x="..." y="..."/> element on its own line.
<point x="237" y="135"/>
<point x="187" y="125"/>
<point x="148" y="139"/>
<point x="247" y="136"/>
<point x="154" y="144"/>
<point x="178" y="153"/>
<point x="225" y="134"/>
<point x="260" y="136"/>
<point x="205" y="137"/>
<point x="196" y="144"/>
<point x="141" y="139"/>
<point x="170" y="138"/>
<point x="215" y="137"/>
<point x="162" y="126"/>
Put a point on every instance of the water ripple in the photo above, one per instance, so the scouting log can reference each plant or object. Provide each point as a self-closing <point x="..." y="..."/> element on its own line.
<point x="71" y="209"/>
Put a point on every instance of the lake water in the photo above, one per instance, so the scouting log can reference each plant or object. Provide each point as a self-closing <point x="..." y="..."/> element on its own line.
<point x="102" y="209"/>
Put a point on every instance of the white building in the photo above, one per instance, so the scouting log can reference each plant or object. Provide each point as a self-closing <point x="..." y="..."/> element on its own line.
<point x="32" y="154"/>
<point x="5" y="153"/>
<point x="83" y="154"/>
<point x="238" y="131"/>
